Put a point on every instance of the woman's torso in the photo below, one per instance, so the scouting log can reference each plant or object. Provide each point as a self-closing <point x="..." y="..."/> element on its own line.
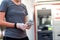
<point x="15" y="14"/>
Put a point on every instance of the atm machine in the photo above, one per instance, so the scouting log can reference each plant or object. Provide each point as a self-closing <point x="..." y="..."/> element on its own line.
<point x="43" y="24"/>
<point x="44" y="31"/>
<point x="47" y="29"/>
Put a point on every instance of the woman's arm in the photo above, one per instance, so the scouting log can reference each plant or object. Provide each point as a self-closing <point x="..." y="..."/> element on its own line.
<point x="26" y="18"/>
<point x="11" y="25"/>
<point x="26" y="22"/>
<point x="3" y="22"/>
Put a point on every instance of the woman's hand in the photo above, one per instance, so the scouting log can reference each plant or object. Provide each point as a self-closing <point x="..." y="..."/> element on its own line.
<point x="21" y="26"/>
<point x="28" y="27"/>
<point x="29" y="23"/>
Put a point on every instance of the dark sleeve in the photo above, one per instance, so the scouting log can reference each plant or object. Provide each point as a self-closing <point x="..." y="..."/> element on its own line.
<point x="3" y="6"/>
<point x="26" y="11"/>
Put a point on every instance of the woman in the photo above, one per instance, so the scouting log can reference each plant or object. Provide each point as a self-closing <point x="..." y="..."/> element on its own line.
<point x="15" y="15"/>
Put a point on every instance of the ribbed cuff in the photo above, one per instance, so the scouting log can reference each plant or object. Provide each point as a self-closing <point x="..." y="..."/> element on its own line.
<point x="15" y="25"/>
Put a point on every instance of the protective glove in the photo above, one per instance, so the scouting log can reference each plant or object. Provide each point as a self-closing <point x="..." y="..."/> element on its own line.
<point x="21" y="26"/>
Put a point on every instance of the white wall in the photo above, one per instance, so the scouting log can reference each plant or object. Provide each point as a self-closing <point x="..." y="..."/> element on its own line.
<point x="29" y="5"/>
<point x="0" y="1"/>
